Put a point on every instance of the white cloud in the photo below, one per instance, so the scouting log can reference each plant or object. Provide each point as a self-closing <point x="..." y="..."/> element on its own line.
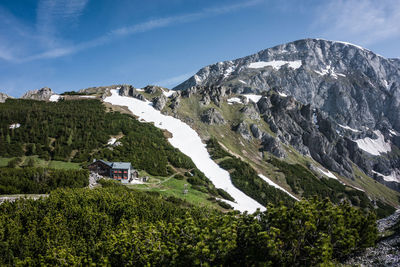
<point x="174" y="81"/>
<point x="52" y="15"/>
<point x="360" y="21"/>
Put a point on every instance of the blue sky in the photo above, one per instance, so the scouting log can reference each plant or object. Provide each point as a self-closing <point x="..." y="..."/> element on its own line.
<point x="74" y="44"/>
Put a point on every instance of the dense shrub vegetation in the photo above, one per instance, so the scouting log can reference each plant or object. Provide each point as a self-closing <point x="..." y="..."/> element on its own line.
<point x="117" y="226"/>
<point x="245" y="178"/>
<point x="79" y="130"/>
<point x="39" y="180"/>
<point x="304" y="182"/>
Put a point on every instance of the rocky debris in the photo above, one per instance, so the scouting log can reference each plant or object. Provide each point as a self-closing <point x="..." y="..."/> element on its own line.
<point x="251" y="111"/>
<point x="208" y="94"/>
<point x="257" y="133"/>
<point x="273" y="146"/>
<point x="43" y="94"/>
<point x="3" y="97"/>
<point x="243" y="129"/>
<point x="212" y="116"/>
<point x="129" y="90"/>
<point x="93" y="179"/>
<point x="151" y="89"/>
<point x="386" y="252"/>
<point x="159" y="102"/>
<point x="264" y="104"/>
<point x="175" y="100"/>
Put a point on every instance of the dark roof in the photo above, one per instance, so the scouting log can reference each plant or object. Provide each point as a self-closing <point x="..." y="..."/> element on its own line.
<point x="121" y="165"/>
<point x="109" y="164"/>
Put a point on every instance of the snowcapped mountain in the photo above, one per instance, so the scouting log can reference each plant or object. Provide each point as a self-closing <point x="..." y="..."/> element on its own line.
<point x="355" y="86"/>
<point x="352" y="90"/>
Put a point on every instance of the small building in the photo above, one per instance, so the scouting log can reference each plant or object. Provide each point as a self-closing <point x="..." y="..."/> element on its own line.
<point x="121" y="171"/>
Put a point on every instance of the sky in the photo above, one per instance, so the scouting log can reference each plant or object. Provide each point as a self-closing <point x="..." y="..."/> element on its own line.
<point x="74" y="44"/>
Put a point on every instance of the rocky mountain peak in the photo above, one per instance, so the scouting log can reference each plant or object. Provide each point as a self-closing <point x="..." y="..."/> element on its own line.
<point x="43" y="94"/>
<point x="353" y="85"/>
<point x="3" y="97"/>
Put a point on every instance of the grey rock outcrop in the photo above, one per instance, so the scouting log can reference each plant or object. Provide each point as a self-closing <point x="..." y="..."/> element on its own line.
<point x="257" y="133"/>
<point x="208" y="94"/>
<point x="251" y="111"/>
<point x="273" y="146"/>
<point x="3" y="97"/>
<point x="151" y="89"/>
<point x="212" y="116"/>
<point x="352" y="85"/>
<point x="243" y="129"/>
<point x="159" y="102"/>
<point x="43" y="94"/>
<point x="129" y="90"/>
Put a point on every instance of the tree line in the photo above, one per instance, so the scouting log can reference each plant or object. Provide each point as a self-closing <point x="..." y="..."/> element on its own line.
<point x="117" y="226"/>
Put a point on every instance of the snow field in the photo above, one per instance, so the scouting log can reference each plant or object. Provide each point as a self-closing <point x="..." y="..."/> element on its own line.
<point x="188" y="142"/>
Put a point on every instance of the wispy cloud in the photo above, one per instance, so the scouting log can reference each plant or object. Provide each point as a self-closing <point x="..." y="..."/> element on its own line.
<point x="52" y="16"/>
<point x="173" y="81"/>
<point x="362" y="21"/>
<point x="71" y="10"/>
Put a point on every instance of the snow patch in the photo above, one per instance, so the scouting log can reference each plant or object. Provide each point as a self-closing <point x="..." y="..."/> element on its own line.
<point x="229" y="71"/>
<point x="242" y="81"/>
<point x="282" y="94"/>
<point x="389" y="178"/>
<point x="374" y="146"/>
<point x="327" y="173"/>
<point x="168" y="93"/>
<point x="188" y="141"/>
<point x="275" y="185"/>
<point x="15" y="126"/>
<point x="234" y="100"/>
<point x="112" y="141"/>
<point x="197" y="78"/>
<point x="139" y="90"/>
<point x="54" y="98"/>
<point x="276" y="64"/>
<point x="393" y="132"/>
<point x="329" y="70"/>
<point x="87" y="96"/>
<point x="348" y="128"/>
<point x="254" y="98"/>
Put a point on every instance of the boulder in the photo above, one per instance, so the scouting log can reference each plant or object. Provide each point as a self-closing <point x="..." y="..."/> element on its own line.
<point x="212" y="116"/>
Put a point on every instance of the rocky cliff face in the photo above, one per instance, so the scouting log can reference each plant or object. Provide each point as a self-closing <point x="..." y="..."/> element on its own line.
<point x="336" y="102"/>
<point x="3" y="97"/>
<point x="353" y="85"/>
<point x="43" y="94"/>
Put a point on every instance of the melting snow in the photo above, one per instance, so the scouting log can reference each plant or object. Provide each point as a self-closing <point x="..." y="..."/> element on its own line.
<point x="54" y="98"/>
<point x="188" y="141"/>
<point x="282" y="94"/>
<point x="327" y="173"/>
<point x="197" y="78"/>
<point x="254" y="98"/>
<point x="112" y="141"/>
<point x="15" y="126"/>
<point x="392" y="132"/>
<point x="234" y="100"/>
<point x="242" y="81"/>
<point x="168" y="93"/>
<point x="276" y="64"/>
<point x="228" y="71"/>
<point x="389" y="178"/>
<point x="329" y="70"/>
<point x="275" y="185"/>
<point x="348" y="128"/>
<point x="374" y="146"/>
